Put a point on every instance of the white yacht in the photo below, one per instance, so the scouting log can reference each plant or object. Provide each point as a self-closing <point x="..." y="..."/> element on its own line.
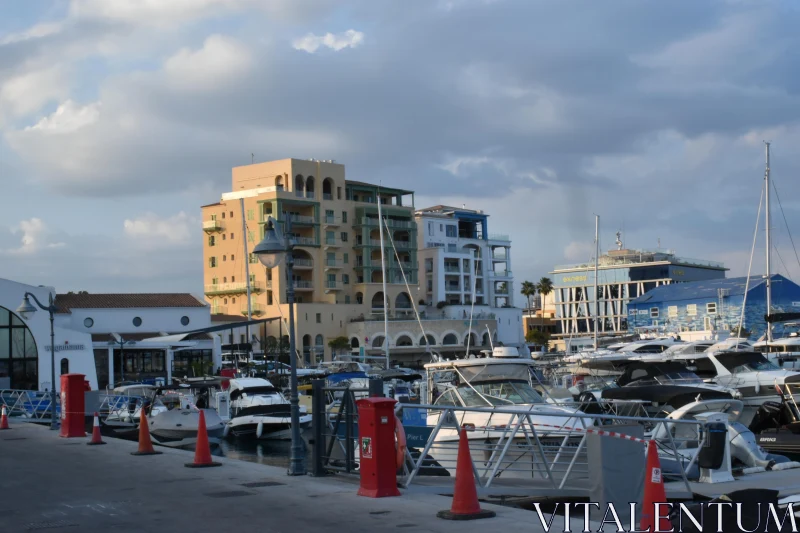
<point x="502" y="381"/>
<point x="258" y="408"/>
<point x="785" y="350"/>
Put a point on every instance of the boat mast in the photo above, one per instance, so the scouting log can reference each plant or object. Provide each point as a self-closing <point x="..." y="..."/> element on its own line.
<point x="383" y="276"/>
<point x="769" y="244"/>
<point x="247" y="278"/>
<point x="596" y="259"/>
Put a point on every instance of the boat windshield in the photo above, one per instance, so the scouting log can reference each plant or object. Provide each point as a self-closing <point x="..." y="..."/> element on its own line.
<point x="738" y="363"/>
<point x="669" y="378"/>
<point x="499" y="393"/>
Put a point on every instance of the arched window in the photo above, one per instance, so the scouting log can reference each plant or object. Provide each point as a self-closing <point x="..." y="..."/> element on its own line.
<point x="431" y="340"/>
<point x="404" y="340"/>
<point x="403" y="301"/>
<point x="319" y="340"/>
<point x="377" y="342"/>
<point x="64" y="366"/>
<point x="359" y="297"/>
<point x="485" y="339"/>
<point x="354" y="342"/>
<point x="327" y="189"/>
<point x="377" y="300"/>
<point x="279" y="182"/>
<point x="298" y="185"/>
<point x="310" y="187"/>
<point x="19" y="357"/>
<point x="470" y="339"/>
<point x="450" y="339"/>
<point x="307" y="349"/>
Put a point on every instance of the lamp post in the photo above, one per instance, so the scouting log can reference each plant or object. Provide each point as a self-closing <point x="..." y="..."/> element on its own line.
<point x="274" y="248"/>
<point x="26" y="310"/>
<point x="121" y="343"/>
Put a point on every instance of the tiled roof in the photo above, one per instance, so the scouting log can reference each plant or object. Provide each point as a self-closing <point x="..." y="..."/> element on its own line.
<point x="66" y="302"/>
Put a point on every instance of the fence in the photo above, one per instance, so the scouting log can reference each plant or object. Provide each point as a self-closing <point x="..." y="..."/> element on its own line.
<point x="28" y="404"/>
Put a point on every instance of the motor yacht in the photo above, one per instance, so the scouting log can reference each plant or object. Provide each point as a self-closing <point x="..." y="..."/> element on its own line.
<point x="258" y="409"/>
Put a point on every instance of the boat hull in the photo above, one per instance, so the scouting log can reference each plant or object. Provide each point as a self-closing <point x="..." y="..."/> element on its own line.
<point x="273" y="427"/>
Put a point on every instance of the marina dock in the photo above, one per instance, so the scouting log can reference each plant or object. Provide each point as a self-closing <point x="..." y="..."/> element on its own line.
<point x="62" y="485"/>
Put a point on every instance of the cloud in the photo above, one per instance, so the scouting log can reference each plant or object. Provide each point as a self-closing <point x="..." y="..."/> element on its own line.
<point x="579" y="252"/>
<point x="153" y="231"/>
<point x="221" y="60"/>
<point x="311" y="43"/>
<point x="29" y="91"/>
<point x="34" y="32"/>
<point x="34" y="236"/>
<point x="69" y="117"/>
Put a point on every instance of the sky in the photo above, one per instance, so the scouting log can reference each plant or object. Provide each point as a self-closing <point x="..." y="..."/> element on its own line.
<point x="120" y="118"/>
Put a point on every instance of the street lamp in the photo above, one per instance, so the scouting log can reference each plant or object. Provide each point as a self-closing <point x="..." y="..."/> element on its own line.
<point x="26" y="310"/>
<point x="121" y="343"/>
<point x="274" y="248"/>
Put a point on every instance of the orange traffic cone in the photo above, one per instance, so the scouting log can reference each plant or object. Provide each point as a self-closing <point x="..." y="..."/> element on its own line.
<point x="145" y="444"/>
<point x="202" y="451"/>
<point x="96" y="437"/>
<point x="654" y="492"/>
<point x="4" y="419"/>
<point x="465" y="498"/>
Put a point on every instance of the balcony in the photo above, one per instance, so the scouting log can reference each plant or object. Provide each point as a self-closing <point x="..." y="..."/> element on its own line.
<point x="303" y="263"/>
<point x="499" y="237"/>
<point x="212" y="225"/>
<point x="333" y="263"/>
<point x="332" y="285"/>
<point x="501" y="292"/>
<point x="219" y="310"/>
<point x="303" y="285"/>
<point x="392" y="223"/>
<point x="299" y="219"/>
<point x="332" y="241"/>
<point x="305" y="241"/>
<point x="452" y="269"/>
<point x="404" y="265"/>
<point x="506" y="274"/>
<point x="232" y="288"/>
<point x="255" y="309"/>
<point x="330" y="220"/>
<point x="499" y="256"/>
<point x="327" y="196"/>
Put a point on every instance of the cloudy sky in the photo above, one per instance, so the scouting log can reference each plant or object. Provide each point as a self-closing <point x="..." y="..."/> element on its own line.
<point x="119" y="118"/>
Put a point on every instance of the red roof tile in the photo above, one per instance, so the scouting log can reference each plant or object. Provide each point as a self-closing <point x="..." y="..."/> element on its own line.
<point x="66" y="302"/>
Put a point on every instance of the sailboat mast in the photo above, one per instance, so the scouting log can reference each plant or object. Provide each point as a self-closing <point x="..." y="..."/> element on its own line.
<point x="596" y="259"/>
<point x="769" y="244"/>
<point x="383" y="276"/>
<point x="246" y="275"/>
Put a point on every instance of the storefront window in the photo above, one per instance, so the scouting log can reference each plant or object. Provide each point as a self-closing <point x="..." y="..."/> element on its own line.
<point x="192" y="363"/>
<point x="18" y="354"/>
<point x="139" y="365"/>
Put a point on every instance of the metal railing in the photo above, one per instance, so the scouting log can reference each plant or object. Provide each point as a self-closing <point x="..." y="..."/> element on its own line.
<point x="27" y="404"/>
<point x="327" y="196"/>
<point x="219" y="288"/>
<point x="212" y="225"/>
<point x="547" y="449"/>
<point x="305" y="240"/>
<point x="300" y="284"/>
<point x="303" y="263"/>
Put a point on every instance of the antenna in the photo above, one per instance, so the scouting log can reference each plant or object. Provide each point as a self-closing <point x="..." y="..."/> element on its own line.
<point x="659" y="243"/>
<point x="252" y="158"/>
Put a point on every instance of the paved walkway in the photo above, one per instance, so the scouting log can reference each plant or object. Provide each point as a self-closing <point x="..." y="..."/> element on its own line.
<point x="61" y="485"/>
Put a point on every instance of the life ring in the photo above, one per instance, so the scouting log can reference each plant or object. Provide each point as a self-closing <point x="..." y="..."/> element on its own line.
<point x="400" y="443"/>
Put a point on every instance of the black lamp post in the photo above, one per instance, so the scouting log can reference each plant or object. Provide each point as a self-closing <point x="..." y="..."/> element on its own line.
<point x="274" y="248"/>
<point x="26" y="310"/>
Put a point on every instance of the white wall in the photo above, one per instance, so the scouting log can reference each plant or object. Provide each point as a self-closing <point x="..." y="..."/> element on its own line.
<point x="166" y="319"/>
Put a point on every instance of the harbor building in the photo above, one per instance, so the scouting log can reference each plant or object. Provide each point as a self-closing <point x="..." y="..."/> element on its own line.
<point x="714" y="305"/>
<point x="338" y="274"/>
<point x="107" y="337"/>
<point x="622" y="275"/>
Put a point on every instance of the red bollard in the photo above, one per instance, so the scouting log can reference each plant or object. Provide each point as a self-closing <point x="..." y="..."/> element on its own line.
<point x="73" y="416"/>
<point x="376" y="447"/>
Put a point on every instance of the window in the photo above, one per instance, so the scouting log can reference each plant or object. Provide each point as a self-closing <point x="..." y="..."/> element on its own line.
<point x="672" y="311"/>
<point x="347" y="298"/>
<point x="224" y="237"/>
<point x="344" y="216"/>
<point x="233" y="300"/>
<point x="250" y="236"/>
<point x="212" y="240"/>
<point x="345" y="279"/>
<point x="232" y="257"/>
<point x="225" y="279"/>
<point x="691" y="309"/>
<point x="214" y="281"/>
<point x="184" y="321"/>
<point x="250" y="214"/>
<point x="338" y="193"/>
<point x="233" y="278"/>
<point x="441" y="228"/>
<point x="231" y="214"/>
<point x="344" y="236"/>
<point x="251" y="258"/>
<point x="252" y="278"/>
<point x="319" y="318"/>
<point x="224" y="257"/>
<point x="654" y="312"/>
<point x="430" y="228"/>
<point x="269" y="297"/>
<point x="231" y="236"/>
<point x="345" y="258"/>
<point x="88" y="322"/>
<point x="137" y="321"/>
<point x="64" y="366"/>
<point x="451" y="231"/>
<point x="223" y="214"/>
<point x="711" y="308"/>
<point x="212" y="262"/>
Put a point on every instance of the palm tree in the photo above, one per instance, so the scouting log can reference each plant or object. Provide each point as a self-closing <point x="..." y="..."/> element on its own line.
<point x="528" y="290"/>
<point x="545" y="287"/>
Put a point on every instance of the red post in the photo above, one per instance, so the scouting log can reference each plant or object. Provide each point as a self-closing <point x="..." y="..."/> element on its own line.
<point x="72" y="405"/>
<point x="376" y="448"/>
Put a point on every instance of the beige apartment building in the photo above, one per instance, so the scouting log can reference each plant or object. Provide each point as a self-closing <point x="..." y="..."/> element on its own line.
<point x="338" y="276"/>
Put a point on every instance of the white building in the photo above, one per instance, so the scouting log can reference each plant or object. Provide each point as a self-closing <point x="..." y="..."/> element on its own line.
<point x="107" y="337"/>
<point x="459" y="258"/>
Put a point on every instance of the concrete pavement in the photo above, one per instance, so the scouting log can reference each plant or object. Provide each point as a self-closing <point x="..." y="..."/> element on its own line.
<point x="61" y="485"/>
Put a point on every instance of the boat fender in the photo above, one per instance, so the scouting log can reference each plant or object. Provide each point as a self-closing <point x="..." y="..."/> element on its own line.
<point x="226" y="430"/>
<point x="400" y="444"/>
<point x="259" y="430"/>
<point x="758" y="388"/>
